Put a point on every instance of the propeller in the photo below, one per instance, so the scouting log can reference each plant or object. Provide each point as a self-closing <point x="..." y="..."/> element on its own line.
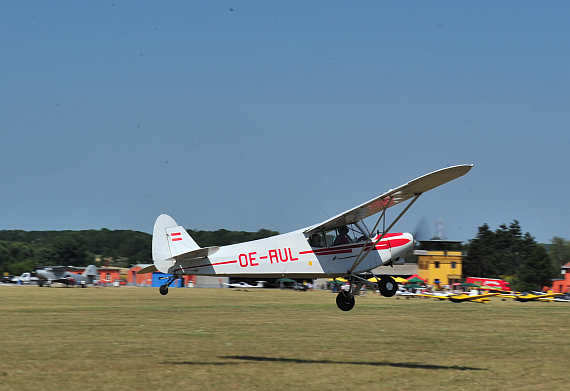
<point x="422" y="230"/>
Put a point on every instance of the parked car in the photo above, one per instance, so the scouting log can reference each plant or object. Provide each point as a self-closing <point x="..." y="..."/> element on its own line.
<point x="25" y="278"/>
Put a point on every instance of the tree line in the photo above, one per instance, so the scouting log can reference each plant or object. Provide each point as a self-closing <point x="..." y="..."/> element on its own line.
<point x="22" y="251"/>
<point x="509" y="254"/>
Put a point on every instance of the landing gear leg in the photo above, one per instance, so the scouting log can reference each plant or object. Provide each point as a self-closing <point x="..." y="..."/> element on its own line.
<point x="164" y="288"/>
<point x="345" y="298"/>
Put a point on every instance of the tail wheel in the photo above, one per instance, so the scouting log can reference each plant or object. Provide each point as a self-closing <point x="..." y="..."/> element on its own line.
<point x="344" y="301"/>
<point x="163" y="289"/>
<point x="388" y="286"/>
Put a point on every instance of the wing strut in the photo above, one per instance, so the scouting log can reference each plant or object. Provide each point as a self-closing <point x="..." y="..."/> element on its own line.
<point x="361" y="256"/>
<point x="358" y="258"/>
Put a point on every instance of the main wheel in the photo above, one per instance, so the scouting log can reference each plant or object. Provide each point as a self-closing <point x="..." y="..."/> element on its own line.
<point x="344" y="302"/>
<point x="388" y="286"/>
<point x="163" y="289"/>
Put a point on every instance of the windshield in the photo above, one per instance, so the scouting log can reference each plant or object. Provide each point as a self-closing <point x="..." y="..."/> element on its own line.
<point x="338" y="236"/>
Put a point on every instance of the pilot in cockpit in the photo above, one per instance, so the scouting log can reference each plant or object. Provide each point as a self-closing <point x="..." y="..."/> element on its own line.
<point x="316" y="240"/>
<point x="342" y="237"/>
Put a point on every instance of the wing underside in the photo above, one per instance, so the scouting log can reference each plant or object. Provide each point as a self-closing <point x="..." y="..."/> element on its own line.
<point x="394" y="197"/>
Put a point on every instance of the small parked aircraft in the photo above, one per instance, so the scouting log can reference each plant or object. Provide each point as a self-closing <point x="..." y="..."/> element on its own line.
<point x="563" y="298"/>
<point x="244" y="285"/>
<point x="538" y="296"/>
<point x="440" y="295"/>
<point x="342" y="246"/>
<point x="403" y="292"/>
<point x="62" y="274"/>
<point x="473" y="295"/>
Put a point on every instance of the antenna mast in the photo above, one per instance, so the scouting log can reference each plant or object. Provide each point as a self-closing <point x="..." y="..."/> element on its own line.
<point x="439" y="228"/>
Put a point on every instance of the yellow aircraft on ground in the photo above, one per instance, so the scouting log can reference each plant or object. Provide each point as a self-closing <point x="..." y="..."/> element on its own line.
<point x="440" y="295"/>
<point x="473" y="295"/>
<point x="536" y="296"/>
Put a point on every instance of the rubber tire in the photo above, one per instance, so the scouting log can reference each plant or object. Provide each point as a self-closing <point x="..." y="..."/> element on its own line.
<point x="163" y="289"/>
<point x="388" y="286"/>
<point x="344" y="302"/>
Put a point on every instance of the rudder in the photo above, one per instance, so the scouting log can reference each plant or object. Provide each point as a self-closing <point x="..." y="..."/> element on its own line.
<point x="169" y="240"/>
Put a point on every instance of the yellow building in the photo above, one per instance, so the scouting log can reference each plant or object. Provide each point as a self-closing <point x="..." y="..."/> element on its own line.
<point x="440" y="262"/>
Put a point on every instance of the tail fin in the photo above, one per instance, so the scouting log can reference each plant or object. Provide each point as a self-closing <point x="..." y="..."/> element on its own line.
<point x="169" y="240"/>
<point x="90" y="271"/>
<point x="171" y="243"/>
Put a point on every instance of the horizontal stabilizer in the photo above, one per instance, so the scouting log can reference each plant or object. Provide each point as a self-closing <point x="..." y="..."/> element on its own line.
<point x="148" y="269"/>
<point x="195" y="254"/>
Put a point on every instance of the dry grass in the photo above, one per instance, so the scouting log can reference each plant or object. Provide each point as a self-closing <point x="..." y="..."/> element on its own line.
<point x="219" y="339"/>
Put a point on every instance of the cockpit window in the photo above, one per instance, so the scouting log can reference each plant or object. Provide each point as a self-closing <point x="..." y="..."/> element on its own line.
<point x="337" y="236"/>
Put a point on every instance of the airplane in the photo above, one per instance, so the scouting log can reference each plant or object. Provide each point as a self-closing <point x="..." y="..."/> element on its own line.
<point x="341" y="246"/>
<point x="564" y="298"/>
<point x="441" y="295"/>
<point x="403" y="292"/>
<point x="473" y="295"/>
<point x="62" y="274"/>
<point x="525" y="296"/>
<point x="244" y="285"/>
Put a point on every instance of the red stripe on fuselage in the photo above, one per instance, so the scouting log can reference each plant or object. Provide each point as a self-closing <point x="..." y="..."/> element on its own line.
<point x="399" y="242"/>
<point x="382" y="245"/>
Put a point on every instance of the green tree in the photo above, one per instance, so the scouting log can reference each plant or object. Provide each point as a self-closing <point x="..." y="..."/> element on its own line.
<point x="559" y="252"/>
<point x="536" y="266"/>
<point x="16" y="257"/>
<point x="481" y="260"/>
<point x="506" y="252"/>
<point x="67" y="249"/>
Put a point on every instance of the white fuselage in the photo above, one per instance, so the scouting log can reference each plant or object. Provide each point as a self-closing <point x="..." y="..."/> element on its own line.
<point x="291" y="255"/>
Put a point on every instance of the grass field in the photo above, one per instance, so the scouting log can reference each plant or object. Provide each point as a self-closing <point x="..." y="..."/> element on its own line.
<point x="218" y="339"/>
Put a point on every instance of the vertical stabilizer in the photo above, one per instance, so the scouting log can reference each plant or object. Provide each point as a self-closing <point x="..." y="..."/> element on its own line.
<point x="169" y="240"/>
<point x="179" y="241"/>
<point x="90" y="271"/>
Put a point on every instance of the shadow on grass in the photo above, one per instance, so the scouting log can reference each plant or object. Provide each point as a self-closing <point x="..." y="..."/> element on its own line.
<point x="309" y="361"/>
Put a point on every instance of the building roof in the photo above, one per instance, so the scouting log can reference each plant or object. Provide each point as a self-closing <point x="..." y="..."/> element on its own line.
<point x="141" y="265"/>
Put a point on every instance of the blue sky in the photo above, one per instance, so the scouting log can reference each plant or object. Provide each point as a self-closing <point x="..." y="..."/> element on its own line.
<point x="276" y="114"/>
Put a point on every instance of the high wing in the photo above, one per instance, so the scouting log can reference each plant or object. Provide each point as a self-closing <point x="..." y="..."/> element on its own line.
<point x="58" y="268"/>
<point x="394" y="197"/>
